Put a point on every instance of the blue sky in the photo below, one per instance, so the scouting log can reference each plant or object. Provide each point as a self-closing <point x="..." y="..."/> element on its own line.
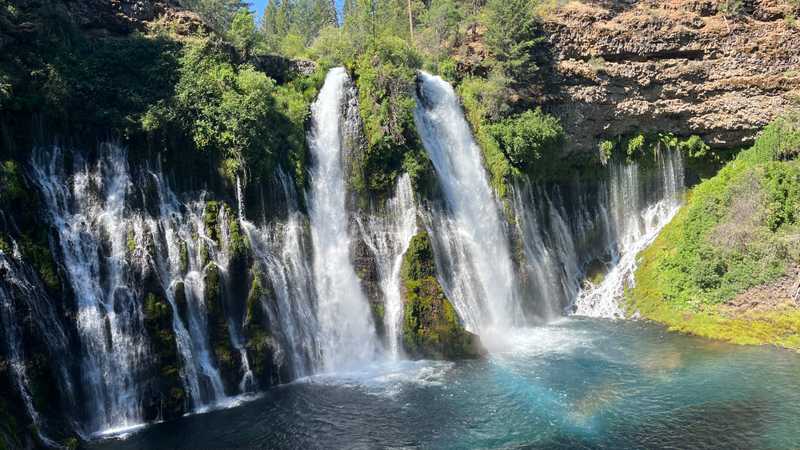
<point x="259" y="5"/>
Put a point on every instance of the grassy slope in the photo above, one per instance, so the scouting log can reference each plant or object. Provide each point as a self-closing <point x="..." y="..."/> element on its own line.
<point x="739" y="230"/>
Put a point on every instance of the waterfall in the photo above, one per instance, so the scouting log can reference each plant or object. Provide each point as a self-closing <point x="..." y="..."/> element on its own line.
<point x="22" y="295"/>
<point x="471" y="238"/>
<point x="181" y="273"/>
<point x="88" y="214"/>
<point x="347" y="332"/>
<point x="247" y="383"/>
<point x="388" y="234"/>
<point x="551" y="271"/>
<point x="638" y="212"/>
<point x="280" y="250"/>
<point x="109" y="249"/>
<point x="599" y="227"/>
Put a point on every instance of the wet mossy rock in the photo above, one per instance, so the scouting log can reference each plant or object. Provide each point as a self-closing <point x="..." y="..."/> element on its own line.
<point x="431" y="327"/>
<point x="167" y="398"/>
<point x="260" y="345"/>
<point x="227" y="360"/>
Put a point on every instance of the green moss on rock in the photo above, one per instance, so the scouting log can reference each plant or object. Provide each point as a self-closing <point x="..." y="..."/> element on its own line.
<point x="183" y="255"/>
<point x="227" y="359"/>
<point x="210" y="220"/>
<point x="431" y="327"/>
<point x="5" y="247"/>
<point x="168" y="396"/>
<point x="37" y="253"/>
<point x="259" y="342"/>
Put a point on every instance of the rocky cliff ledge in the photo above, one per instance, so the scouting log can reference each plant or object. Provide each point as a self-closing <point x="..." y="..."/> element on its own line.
<point x="683" y="66"/>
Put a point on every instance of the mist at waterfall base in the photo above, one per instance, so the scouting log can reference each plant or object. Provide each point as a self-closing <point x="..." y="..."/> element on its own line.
<point x="577" y="383"/>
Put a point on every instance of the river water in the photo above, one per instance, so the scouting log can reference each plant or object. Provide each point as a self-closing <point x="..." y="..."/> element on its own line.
<point x="576" y="383"/>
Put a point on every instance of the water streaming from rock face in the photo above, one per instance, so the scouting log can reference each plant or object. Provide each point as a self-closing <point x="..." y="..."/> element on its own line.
<point x="179" y="236"/>
<point x="23" y="297"/>
<point x="88" y="214"/>
<point x="347" y="333"/>
<point x="387" y="234"/>
<point x="639" y="210"/>
<point x="594" y="230"/>
<point x="109" y="250"/>
<point x="471" y="237"/>
<point x="281" y="250"/>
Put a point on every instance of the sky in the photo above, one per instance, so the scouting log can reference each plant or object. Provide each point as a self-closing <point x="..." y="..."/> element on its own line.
<point x="258" y="6"/>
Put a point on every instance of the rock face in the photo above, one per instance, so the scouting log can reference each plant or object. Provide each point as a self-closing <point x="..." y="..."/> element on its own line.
<point x="431" y="328"/>
<point x="678" y="66"/>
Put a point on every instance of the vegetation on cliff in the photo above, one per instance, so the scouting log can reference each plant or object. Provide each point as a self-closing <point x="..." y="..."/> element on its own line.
<point x="431" y="327"/>
<point x="738" y="233"/>
<point x="202" y="96"/>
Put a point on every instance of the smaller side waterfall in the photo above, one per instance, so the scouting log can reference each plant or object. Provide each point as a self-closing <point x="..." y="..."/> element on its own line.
<point x="280" y="249"/>
<point x="347" y="333"/>
<point x="638" y="213"/>
<point x="470" y="235"/>
<point x="388" y="234"/>
<point x="180" y="230"/>
<point x="593" y="229"/>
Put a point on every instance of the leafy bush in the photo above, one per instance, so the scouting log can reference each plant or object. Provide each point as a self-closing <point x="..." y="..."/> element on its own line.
<point x="235" y="114"/>
<point x="528" y="137"/>
<point x="385" y="80"/>
<point x="242" y="32"/>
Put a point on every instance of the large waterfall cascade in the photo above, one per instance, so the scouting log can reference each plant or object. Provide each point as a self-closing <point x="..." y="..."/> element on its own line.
<point x="472" y="235"/>
<point x="108" y="247"/>
<point x="319" y="316"/>
<point x="619" y="217"/>
<point x="348" y="334"/>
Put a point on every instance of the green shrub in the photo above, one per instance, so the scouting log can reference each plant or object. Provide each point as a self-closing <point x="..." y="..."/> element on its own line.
<point x="694" y="146"/>
<point x="739" y="229"/>
<point x="528" y="137"/>
<point x="513" y="36"/>
<point x="234" y="113"/>
<point x="635" y="146"/>
<point x="385" y="79"/>
<point x="484" y="101"/>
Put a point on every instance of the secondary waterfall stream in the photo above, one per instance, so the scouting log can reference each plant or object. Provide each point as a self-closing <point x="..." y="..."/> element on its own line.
<point x="388" y="234"/>
<point x="281" y="250"/>
<point x="84" y="211"/>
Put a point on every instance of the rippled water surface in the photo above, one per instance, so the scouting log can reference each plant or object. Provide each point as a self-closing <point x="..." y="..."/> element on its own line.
<point x="578" y="383"/>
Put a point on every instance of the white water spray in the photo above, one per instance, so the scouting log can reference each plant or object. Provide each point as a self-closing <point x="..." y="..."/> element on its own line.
<point x="482" y="285"/>
<point x="347" y="332"/>
<point x="388" y="234"/>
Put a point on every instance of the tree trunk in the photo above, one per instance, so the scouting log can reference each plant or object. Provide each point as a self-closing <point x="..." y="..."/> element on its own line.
<point x="410" y="23"/>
